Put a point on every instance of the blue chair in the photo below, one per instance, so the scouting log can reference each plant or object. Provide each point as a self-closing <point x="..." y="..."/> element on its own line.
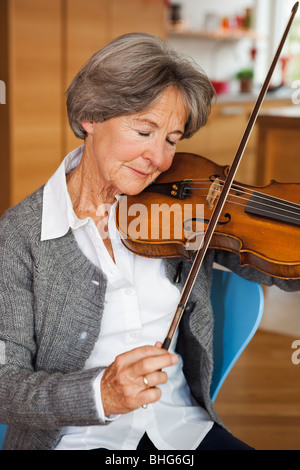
<point x="238" y="307"/>
<point x="2" y="434"/>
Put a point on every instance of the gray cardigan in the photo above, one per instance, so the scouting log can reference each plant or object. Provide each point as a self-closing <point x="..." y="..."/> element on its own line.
<point x="47" y="300"/>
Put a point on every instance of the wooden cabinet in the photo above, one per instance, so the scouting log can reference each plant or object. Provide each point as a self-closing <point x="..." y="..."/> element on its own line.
<point x="278" y="141"/>
<point x="220" y="138"/>
<point x="43" y="44"/>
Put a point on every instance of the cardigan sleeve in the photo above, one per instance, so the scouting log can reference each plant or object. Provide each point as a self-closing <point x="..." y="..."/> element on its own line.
<point x="232" y="262"/>
<point x="29" y="396"/>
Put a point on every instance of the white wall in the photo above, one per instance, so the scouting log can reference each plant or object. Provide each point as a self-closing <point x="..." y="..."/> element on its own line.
<point x="195" y="10"/>
<point x="222" y="59"/>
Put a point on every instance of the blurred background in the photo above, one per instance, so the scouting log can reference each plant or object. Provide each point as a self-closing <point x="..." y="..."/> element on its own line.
<point x="44" y="43"/>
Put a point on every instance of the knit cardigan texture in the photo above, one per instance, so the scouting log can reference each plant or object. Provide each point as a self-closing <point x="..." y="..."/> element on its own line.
<point x="47" y="301"/>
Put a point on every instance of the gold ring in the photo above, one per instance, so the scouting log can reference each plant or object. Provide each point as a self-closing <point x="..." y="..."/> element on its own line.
<point x="146" y="382"/>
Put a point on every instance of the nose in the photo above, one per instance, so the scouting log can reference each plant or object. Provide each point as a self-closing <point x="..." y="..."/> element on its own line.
<point x="159" y="155"/>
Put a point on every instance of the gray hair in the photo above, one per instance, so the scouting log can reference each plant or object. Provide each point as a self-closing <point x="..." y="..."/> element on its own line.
<point x="128" y="75"/>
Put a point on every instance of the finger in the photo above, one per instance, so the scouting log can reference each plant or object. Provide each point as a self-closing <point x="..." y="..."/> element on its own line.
<point x="134" y="355"/>
<point x="151" y="395"/>
<point x="148" y="365"/>
<point x="153" y="380"/>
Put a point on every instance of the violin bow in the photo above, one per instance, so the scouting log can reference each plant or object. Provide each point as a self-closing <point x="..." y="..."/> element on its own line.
<point x="182" y="305"/>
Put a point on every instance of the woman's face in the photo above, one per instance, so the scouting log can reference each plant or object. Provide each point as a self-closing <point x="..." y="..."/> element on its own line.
<point x="131" y="151"/>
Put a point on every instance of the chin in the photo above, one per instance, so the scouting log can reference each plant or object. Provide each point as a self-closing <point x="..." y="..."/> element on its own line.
<point x="133" y="191"/>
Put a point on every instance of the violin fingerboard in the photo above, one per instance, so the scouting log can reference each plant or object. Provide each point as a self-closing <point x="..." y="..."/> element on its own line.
<point x="273" y="208"/>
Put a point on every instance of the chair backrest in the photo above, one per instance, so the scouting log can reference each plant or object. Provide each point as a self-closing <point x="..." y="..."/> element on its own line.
<point x="238" y="307"/>
<point x="2" y="434"/>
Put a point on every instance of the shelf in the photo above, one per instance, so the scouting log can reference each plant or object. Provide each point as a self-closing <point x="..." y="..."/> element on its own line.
<point x="221" y="35"/>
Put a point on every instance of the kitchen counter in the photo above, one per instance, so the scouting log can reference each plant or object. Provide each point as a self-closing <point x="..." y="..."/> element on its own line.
<point x="282" y="94"/>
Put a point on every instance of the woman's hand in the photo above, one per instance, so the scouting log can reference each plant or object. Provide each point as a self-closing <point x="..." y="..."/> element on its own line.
<point x="123" y="388"/>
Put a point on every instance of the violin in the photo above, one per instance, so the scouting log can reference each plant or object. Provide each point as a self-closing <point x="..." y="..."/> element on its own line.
<point x="259" y="223"/>
<point x="239" y="237"/>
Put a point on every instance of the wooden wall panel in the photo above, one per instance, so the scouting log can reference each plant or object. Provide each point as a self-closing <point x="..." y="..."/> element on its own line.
<point x="35" y="83"/>
<point x="86" y="31"/>
<point x="90" y="27"/>
<point x="4" y="110"/>
<point x="137" y="16"/>
<point x="46" y="44"/>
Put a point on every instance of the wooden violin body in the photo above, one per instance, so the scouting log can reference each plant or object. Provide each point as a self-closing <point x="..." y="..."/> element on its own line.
<point x="260" y="224"/>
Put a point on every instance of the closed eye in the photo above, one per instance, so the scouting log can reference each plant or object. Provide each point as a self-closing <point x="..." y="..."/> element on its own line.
<point x="144" y="134"/>
<point x="147" y="134"/>
<point x="171" y="142"/>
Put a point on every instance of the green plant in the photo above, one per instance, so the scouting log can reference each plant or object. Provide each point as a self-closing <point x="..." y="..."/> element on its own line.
<point x="245" y="74"/>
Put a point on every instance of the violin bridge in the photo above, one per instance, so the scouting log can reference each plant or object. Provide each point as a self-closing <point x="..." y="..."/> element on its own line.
<point x="213" y="193"/>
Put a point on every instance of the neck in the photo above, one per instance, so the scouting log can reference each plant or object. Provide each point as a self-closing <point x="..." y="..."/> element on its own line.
<point x="90" y="197"/>
<point x="88" y="193"/>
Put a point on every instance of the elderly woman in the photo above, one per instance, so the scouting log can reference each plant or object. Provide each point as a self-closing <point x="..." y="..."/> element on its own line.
<point x="81" y="317"/>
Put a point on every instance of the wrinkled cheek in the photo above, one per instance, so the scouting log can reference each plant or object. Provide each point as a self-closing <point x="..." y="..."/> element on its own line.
<point x="169" y="162"/>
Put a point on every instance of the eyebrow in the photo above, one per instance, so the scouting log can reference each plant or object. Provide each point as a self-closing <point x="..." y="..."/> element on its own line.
<point x="153" y="124"/>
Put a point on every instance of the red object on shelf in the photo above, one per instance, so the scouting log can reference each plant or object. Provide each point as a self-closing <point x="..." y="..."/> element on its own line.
<point x="253" y="52"/>
<point x="225" y="23"/>
<point x="221" y="86"/>
<point x="284" y="61"/>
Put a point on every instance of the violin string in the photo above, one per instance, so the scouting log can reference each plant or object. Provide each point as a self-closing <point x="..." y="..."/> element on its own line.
<point x="267" y="211"/>
<point x="260" y="203"/>
<point x="246" y="190"/>
<point x="265" y="196"/>
<point x="249" y="191"/>
<point x="259" y="195"/>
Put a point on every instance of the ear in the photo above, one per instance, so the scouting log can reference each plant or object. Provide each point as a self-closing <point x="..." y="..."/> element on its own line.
<point x="88" y="126"/>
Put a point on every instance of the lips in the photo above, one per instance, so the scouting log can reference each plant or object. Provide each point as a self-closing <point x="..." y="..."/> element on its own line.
<point x="142" y="174"/>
